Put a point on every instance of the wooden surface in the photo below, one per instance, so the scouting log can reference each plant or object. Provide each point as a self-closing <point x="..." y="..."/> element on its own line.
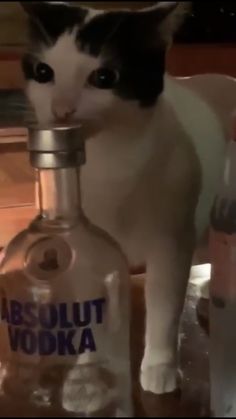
<point x="187" y="60"/>
<point x="16" y="178"/>
<point x="11" y="76"/>
<point x="16" y="191"/>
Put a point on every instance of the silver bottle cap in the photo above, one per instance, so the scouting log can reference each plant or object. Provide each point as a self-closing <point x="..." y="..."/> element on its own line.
<point x="57" y="147"/>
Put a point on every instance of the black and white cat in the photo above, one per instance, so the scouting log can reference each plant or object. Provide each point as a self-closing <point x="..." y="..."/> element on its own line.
<point x="156" y="147"/>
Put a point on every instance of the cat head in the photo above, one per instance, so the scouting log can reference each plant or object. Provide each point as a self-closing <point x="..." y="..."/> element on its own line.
<point x="85" y="64"/>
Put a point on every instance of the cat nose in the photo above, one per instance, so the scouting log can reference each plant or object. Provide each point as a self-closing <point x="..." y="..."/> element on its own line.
<point x="62" y="112"/>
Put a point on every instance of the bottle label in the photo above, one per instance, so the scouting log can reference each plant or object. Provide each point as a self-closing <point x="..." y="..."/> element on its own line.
<point x="223" y="259"/>
<point x="47" y="258"/>
<point x="52" y="329"/>
<point x="58" y="346"/>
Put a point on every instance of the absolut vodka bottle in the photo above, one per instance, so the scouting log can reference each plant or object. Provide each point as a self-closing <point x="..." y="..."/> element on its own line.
<point x="64" y="299"/>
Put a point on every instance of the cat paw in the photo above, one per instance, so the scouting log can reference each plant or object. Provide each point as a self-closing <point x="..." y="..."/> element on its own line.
<point x="159" y="379"/>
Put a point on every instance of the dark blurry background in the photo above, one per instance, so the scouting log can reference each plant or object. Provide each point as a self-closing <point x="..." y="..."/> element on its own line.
<point x="210" y="22"/>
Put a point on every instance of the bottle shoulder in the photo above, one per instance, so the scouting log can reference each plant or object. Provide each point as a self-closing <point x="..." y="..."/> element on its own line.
<point x="14" y="252"/>
<point x="90" y="245"/>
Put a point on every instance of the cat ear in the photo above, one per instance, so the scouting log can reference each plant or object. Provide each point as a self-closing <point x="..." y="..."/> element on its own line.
<point x="47" y="20"/>
<point x="34" y="11"/>
<point x="33" y="8"/>
<point x="29" y="6"/>
<point x="165" y="18"/>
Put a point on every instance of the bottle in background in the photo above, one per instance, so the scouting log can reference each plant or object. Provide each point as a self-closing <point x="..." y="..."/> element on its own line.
<point x="223" y="291"/>
<point x="64" y="299"/>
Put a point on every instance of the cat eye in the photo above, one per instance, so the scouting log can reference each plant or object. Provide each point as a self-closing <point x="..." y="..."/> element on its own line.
<point x="43" y="73"/>
<point x="104" y="78"/>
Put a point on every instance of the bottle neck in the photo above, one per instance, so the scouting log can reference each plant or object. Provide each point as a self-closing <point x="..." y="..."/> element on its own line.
<point x="58" y="193"/>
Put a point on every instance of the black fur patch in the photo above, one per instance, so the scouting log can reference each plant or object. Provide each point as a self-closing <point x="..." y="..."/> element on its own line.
<point x="48" y="21"/>
<point x="129" y="42"/>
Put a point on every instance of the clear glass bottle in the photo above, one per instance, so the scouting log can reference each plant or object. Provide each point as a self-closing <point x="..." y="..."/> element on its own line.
<point x="64" y="299"/>
<point x="223" y="292"/>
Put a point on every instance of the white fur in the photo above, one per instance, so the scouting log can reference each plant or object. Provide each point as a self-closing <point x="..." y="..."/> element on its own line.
<point x="70" y="89"/>
<point x="150" y="179"/>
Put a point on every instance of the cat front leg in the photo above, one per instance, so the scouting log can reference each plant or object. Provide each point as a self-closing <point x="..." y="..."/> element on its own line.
<point x="168" y="268"/>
